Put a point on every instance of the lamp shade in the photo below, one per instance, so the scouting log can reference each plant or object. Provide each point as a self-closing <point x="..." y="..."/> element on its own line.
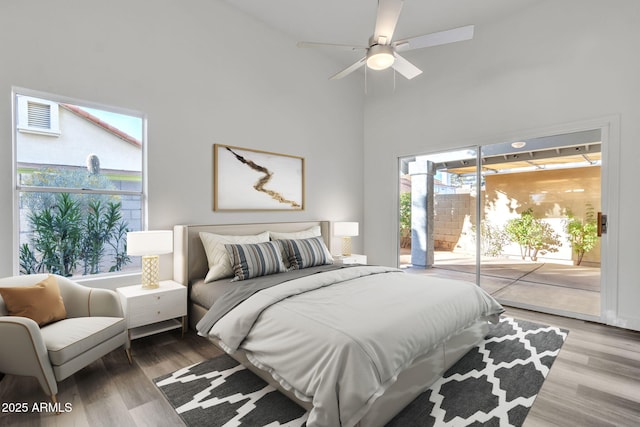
<point x="345" y="229"/>
<point x="157" y="242"/>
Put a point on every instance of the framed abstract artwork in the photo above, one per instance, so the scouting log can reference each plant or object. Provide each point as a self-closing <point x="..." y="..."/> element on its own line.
<point x="247" y="180"/>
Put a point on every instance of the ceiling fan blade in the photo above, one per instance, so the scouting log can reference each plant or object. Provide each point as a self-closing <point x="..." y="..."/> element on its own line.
<point x="406" y="68"/>
<point x="435" y="39"/>
<point x="386" y="20"/>
<point x="350" y="69"/>
<point x="331" y="45"/>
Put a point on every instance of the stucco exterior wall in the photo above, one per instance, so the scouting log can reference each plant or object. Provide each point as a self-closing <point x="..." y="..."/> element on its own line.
<point x="550" y="193"/>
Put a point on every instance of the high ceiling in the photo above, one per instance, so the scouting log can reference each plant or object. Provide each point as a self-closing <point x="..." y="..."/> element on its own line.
<point x="352" y="21"/>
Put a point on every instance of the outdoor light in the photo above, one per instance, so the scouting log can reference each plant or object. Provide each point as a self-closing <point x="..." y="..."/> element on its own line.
<point x="150" y="244"/>
<point x="380" y="57"/>
<point x="345" y="230"/>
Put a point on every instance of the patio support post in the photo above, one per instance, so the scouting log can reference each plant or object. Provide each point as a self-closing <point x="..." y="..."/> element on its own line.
<point x="422" y="213"/>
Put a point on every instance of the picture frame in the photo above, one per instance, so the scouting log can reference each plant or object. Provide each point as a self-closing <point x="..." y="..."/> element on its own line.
<point x="246" y="179"/>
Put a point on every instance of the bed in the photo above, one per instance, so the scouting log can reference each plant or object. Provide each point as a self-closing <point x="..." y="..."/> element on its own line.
<point x="352" y="344"/>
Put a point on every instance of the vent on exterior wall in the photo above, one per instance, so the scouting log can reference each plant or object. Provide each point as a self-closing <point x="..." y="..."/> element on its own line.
<point x="38" y="116"/>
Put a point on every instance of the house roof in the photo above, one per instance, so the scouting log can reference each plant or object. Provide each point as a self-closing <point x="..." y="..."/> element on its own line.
<point x="104" y="125"/>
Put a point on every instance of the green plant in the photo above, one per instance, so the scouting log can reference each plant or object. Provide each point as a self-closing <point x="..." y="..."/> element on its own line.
<point x="100" y="225"/>
<point x="119" y="246"/>
<point x="493" y="239"/>
<point x="405" y="219"/>
<point x="29" y="264"/>
<point x="56" y="236"/>
<point x="582" y="233"/>
<point x="65" y="234"/>
<point x="533" y="235"/>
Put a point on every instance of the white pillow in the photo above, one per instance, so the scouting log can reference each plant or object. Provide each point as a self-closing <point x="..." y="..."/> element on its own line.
<point x="304" y="234"/>
<point x="217" y="256"/>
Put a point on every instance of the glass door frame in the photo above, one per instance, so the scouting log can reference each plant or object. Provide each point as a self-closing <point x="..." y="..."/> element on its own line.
<point x="610" y="147"/>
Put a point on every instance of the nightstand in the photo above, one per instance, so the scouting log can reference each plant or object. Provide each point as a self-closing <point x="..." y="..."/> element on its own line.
<point x="350" y="259"/>
<point x="150" y="311"/>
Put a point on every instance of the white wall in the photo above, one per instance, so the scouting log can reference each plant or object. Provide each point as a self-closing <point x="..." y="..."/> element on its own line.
<point x="557" y="63"/>
<point x="204" y="73"/>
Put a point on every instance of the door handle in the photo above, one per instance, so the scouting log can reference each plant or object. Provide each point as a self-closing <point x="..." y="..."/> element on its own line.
<point x="602" y="224"/>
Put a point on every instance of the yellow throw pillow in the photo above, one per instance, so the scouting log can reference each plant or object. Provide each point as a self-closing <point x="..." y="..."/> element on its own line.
<point x="41" y="302"/>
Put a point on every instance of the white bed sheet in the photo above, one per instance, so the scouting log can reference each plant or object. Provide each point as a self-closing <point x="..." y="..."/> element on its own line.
<point x="342" y="346"/>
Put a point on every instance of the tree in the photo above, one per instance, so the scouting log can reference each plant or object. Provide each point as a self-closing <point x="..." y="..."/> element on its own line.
<point x="533" y="235"/>
<point x="582" y="233"/>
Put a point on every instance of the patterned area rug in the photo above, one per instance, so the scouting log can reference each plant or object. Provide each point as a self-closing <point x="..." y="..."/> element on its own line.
<point x="494" y="384"/>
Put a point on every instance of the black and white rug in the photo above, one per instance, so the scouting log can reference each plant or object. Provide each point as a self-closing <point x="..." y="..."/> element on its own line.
<point x="494" y="384"/>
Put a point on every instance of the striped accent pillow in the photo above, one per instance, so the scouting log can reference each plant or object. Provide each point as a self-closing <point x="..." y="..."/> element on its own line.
<point x="253" y="260"/>
<point x="303" y="253"/>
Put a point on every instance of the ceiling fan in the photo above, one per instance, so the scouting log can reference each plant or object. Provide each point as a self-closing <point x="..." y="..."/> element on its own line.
<point x="382" y="51"/>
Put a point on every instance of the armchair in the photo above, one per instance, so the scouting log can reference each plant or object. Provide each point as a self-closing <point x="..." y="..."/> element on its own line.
<point x="94" y="326"/>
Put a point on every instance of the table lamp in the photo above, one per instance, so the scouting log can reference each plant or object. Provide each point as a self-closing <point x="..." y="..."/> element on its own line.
<point x="149" y="245"/>
<point x="346" y="230"/>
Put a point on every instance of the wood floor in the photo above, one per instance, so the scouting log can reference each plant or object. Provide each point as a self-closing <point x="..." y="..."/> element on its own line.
<point x="595" y="381"/>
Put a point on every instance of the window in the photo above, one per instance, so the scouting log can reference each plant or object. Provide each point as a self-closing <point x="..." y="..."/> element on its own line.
<point x="79" y="185"/>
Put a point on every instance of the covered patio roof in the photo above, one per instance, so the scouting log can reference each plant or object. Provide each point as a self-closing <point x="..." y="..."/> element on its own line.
<point x="577" y="149"/>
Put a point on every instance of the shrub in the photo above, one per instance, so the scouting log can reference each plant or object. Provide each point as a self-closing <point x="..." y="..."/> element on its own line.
<point x="405" y="219"/>
<point x="582" y="233"/>
<point x="493" y="239"/>
<point x="65" y="234"/>
<point x="533" y="235"/>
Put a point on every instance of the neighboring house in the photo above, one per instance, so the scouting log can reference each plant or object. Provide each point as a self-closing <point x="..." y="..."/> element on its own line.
<point x="77" y="135"/>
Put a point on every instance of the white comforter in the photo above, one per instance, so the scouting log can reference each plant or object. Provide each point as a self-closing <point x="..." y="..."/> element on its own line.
<point x="342" y="346"/>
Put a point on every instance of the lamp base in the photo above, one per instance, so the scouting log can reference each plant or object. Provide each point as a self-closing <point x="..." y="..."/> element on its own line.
<point x="346" y="246"/>
<point x="150" y="271"/>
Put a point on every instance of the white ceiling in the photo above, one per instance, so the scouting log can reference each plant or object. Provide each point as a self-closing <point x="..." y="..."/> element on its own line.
<point x="352" y="21"/>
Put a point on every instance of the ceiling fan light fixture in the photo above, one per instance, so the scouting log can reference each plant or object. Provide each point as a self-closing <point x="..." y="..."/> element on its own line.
<point x="380" y="57"/>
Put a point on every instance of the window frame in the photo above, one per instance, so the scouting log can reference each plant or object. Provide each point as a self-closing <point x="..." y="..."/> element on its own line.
<point x="17" y="187"/>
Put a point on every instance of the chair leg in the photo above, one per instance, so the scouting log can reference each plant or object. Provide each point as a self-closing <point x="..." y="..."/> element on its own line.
<point x="128" y="351"/>
<point x="54" y="400"/>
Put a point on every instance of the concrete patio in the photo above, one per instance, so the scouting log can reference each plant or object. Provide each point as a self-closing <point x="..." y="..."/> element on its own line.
<point x="563" y="289"/>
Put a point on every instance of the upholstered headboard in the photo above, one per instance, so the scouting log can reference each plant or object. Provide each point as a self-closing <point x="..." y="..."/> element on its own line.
<point x="190" y="260"/>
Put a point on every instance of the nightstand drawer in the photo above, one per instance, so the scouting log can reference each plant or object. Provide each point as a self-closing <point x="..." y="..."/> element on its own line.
<point x="154" y="314"/>
<point x="155" y="299"/>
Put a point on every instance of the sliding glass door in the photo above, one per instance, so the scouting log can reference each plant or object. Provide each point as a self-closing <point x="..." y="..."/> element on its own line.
<point x="520" y="220"/>
<point x="540" y="245"/>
